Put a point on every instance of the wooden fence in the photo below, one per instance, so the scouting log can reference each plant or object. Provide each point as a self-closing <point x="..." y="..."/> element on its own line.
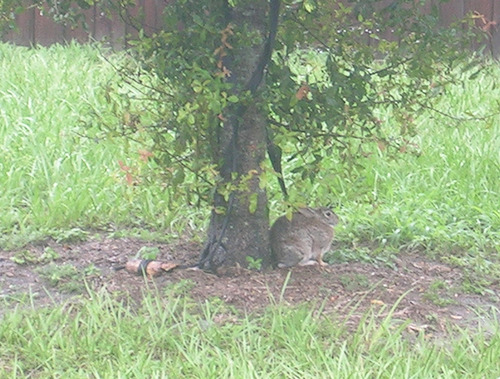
<point x="35" y="28"/>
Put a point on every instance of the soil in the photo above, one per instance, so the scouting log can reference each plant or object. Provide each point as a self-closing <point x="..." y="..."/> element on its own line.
<point x="427" y="294"/>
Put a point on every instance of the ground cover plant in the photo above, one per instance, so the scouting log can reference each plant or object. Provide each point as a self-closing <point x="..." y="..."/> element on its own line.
<point x="72" y="198"/>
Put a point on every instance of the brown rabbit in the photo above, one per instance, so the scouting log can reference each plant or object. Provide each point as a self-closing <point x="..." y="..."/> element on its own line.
<point x="305" y="238"/>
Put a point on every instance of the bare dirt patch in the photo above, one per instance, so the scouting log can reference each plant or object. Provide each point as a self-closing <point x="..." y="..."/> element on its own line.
<point x="428" y="293"/>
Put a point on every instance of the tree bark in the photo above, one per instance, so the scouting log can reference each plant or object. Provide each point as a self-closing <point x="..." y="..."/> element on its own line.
<point x="241" y="229"/>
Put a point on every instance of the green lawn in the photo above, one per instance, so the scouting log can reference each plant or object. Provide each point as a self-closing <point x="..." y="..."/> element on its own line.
<point x="172" y="337"/>
<point x="54" y="177"/>
<point x="58" y="176"/>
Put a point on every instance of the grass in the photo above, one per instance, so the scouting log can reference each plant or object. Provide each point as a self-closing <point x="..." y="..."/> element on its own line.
<point x="53" y="177"/>
<point x="171" y="336"/>
<point x="442" y="200"/>
<point x="59" y="180"/>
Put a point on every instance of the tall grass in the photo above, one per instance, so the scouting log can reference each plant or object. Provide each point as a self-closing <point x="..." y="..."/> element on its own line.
<point x="443" y="199"/>
<point x="172" y="337"/>
<point x="440" y="193"/>
<point x="53" y="177"/>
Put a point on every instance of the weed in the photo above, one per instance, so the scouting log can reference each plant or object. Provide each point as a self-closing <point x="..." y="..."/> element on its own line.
<point x="23" y="257"/>
<point x="354" y="282"/>
<point x="180" y="288"/>
<point x="91" y="270"/>
<point x="477" y="283"/>
<point x="147" y="252"/>
<point x="70" y="236"/>
<point x="48" y="255"/>
<point x="254" y="263"/>
<point x="439" y="293"/>
<point x="65" y="276"/>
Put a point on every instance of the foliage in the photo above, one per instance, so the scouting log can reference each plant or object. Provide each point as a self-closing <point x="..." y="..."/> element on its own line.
<point x="439" y="293"/>
<point x="148" y="252"/>
<point x="27" y="257"/>
<point x="57" y="183"/>
<point x="65" y="276"/>
<point x="332" y="75"/>
<point x="253" y="263"/>
<point x="8" y="11"/>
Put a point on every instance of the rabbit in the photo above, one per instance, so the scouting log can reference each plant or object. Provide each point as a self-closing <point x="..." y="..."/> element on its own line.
<point x="305" y="238"/>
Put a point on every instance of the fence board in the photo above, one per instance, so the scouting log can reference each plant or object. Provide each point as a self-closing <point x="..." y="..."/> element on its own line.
<point x="149" y="17"/>
<point x="451" y="11"/>
<point x="102" y="26"/>
<point x="46" y="31"/>
<point x="35" y="29"/>
<point x="25" y="31"/>
<point x="80" y="35"/>
<point x="495" y="44"/>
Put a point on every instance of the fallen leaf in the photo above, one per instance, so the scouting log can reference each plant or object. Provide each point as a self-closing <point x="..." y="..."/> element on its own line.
<point x="168" y="266"/>
<point x="144" y="155"/>
<point x="303" y="91"/>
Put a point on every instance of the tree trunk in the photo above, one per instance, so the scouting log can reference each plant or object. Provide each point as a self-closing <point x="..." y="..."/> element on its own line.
<point x="240" y="220"/>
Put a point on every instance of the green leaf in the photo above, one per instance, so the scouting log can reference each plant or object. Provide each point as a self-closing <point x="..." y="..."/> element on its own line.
<point x="178" y="177"/>
<point x="148" y="252"/>
<point x="309" y="5"/>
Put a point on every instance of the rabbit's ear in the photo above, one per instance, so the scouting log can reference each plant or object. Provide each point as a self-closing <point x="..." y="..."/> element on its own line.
<point x="334" y="205"/>
<point x="307" y="212"/>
